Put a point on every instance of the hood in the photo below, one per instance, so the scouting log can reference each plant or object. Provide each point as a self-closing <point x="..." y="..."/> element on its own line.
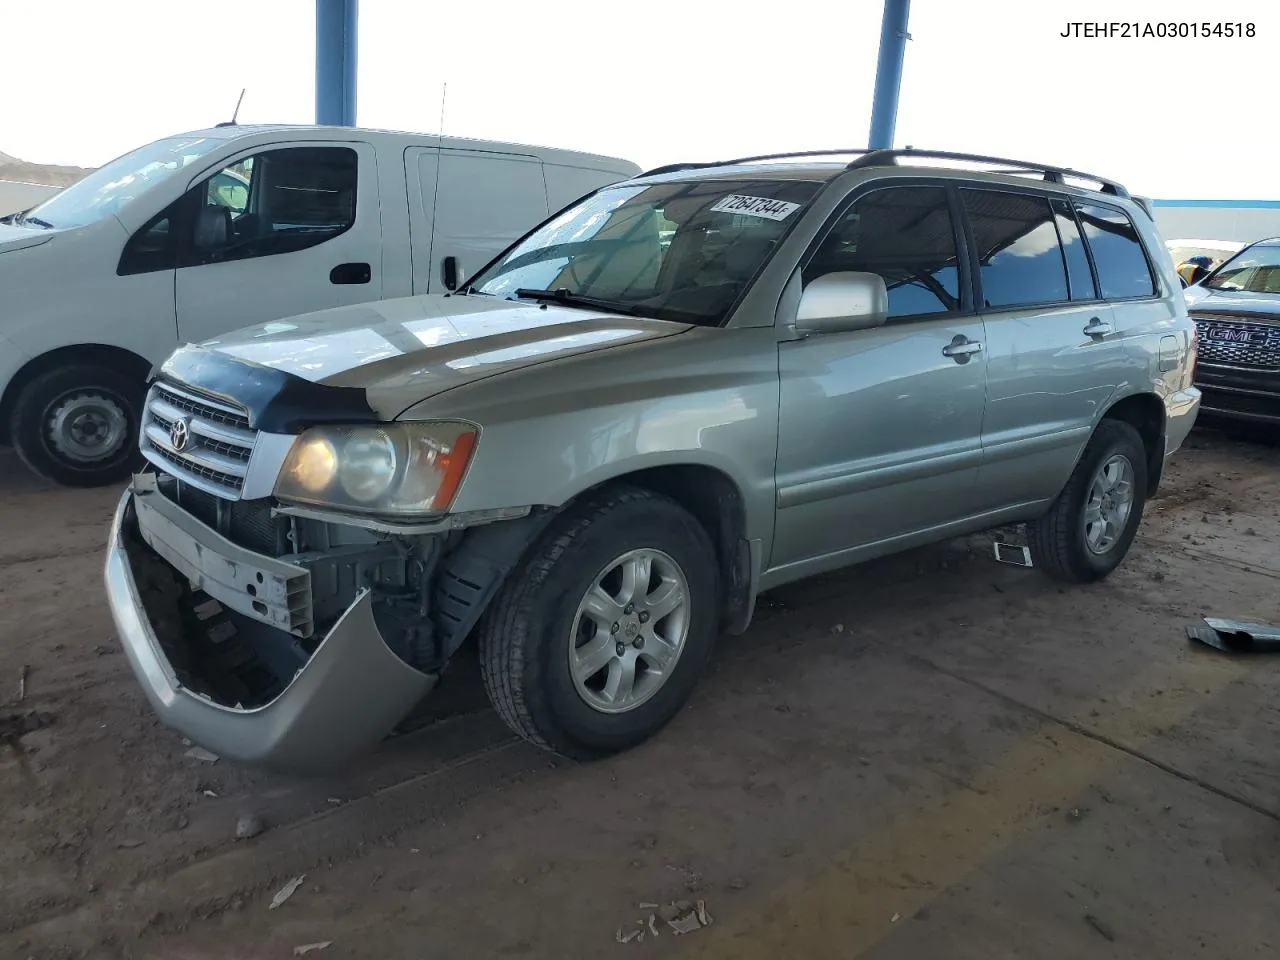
<point x="407" y="350"/>
<point x="21" y="238"/>
<point x="1262" y="306"/>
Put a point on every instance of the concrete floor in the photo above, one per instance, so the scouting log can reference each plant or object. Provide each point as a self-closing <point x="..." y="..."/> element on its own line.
<point x="931" y="756"/>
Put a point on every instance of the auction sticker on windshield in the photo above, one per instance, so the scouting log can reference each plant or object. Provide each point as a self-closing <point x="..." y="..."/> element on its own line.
<point x="756" y="207"/>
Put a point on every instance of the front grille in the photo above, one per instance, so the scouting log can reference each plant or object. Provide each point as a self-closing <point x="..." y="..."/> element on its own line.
<point x="203" y="442"/>
<point x="1238" y="342"/>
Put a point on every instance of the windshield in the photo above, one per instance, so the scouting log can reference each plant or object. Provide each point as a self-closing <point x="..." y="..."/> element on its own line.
<point x="1254" y="270"/>
<point x="672" y="251"/>
<point x="109" y="188"/>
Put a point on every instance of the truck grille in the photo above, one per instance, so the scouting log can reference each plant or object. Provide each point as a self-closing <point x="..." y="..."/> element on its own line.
<point x="203" y="442"/>
<point x="1238" y="342"/>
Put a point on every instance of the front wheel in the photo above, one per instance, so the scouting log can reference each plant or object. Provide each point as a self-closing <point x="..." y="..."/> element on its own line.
<point x="1091" y="525"/>
<point x="78" y="425"/>
<point x="599" y="637"/>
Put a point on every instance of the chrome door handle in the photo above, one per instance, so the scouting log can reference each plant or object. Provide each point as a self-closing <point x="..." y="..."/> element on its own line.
<point x="961" y="348"/>
<point x="1096" y="328"/>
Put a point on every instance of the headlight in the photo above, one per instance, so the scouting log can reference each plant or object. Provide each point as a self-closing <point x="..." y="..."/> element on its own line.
<point x="394" y="468"/>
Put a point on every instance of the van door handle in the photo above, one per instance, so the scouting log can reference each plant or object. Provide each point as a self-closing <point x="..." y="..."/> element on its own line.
<point x="961" y="348"/>
<point x="449" y="272"/>
<point x="1096" y="328"/>
<point x="351" y="273"/>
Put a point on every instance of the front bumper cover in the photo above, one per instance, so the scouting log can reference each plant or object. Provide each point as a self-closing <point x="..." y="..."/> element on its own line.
<point x="345" y="699"/>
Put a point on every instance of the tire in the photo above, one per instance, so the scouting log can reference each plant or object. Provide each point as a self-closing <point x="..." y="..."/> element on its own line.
<point x="78" y="425"/>
<point x="1063" y="543"/>
<point x="534" y="627"/>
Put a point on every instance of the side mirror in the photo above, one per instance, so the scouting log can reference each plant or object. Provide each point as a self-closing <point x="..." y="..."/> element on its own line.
<point x="212" y="229"/>
<point x="839" y="302"/>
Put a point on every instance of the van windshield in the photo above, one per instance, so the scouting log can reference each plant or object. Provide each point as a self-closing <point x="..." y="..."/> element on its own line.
<point x="672" y="251"/>
<point x="103" y="192"/>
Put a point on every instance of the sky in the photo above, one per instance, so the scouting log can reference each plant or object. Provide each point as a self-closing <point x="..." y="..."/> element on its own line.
<point x="670" y="80"/>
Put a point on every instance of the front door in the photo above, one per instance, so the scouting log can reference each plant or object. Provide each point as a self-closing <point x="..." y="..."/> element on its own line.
<point x="285" y="231"/>
<point x="880" y="430"/>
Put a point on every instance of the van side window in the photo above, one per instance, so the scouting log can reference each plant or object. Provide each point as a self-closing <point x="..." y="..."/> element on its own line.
<point x="1079" y="276"/>
<point x="280" y="201"/>
<point x="1016" y="243"/>
<point x="907" y="236"/>
<point x="1123" y="270"/>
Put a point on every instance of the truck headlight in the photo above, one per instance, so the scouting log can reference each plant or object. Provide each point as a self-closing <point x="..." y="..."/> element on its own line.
<point x="393" y="468"/>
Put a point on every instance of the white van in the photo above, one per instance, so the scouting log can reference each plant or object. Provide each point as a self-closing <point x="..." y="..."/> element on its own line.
<point x="198" y="234"/>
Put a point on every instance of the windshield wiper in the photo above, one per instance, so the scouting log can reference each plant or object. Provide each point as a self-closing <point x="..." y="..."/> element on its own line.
<point x="575" y="300"/>
<point x="26" y="218"/>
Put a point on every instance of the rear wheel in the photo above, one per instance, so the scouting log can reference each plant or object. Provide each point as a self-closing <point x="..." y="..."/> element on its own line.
<point x="599" y="637"/>
<point x="1091" y="525"/>
<point x="78" y="425"/>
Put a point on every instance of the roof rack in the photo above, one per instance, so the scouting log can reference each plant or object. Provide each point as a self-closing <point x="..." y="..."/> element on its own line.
<point x="675" y="167"/>
<point x="877" y="158"/>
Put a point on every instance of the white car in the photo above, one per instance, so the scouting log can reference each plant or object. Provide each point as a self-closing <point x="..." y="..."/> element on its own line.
<point x="194" y="235"/>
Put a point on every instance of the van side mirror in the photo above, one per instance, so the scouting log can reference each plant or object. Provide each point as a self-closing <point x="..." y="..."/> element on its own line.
<point x="839" y="302"/>
<point x="212" y="229"/>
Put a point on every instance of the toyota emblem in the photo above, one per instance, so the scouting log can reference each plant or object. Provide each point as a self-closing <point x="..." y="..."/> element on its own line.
<point x="179" y="434"/>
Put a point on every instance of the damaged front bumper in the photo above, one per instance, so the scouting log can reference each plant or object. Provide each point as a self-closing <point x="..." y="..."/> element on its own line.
<point x="346" y="695"/>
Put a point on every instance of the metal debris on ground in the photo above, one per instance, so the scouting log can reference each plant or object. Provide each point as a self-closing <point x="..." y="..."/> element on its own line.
<point x="1236" y="636"/>
<point x="681" y="916"/>
<point x="210" y="794"/>
<point x="287" y="891"/>
<point x="306" y="948"/>
<point x="1013" y="554"/>
<point x="22" y="682"/>
<point x="200" y="753"/>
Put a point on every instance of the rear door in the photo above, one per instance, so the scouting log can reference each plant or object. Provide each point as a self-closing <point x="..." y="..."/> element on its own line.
<point x="483" y="202"/>
<point x="880" y="430"/>
<point x="303" y="234"/>
<point x="1054" y="355"/>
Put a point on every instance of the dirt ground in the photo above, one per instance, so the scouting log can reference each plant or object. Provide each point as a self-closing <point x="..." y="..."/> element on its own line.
<point x="931" y="756"/>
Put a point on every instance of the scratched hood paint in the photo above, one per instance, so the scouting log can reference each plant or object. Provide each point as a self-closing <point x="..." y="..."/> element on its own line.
<point x="407" y="350"/>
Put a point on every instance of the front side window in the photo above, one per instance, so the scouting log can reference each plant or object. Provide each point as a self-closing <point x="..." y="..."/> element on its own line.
<point x="907" y="236"/>
<point x="106" y="191"/>
<point x="1123" y="271"/>
<point x="280" y="201"/>
<point x="1020" y="260"/>
<point x="676" y="251"/>
<point x="1253" y="270"/>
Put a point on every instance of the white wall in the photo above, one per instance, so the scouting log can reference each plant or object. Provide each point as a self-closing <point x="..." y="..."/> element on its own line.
<point x="1243" y="223"/>
<point x="15" y="196"/>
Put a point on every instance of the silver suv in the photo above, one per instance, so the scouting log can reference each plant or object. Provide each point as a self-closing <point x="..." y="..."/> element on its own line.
<point x="680" y="391"/>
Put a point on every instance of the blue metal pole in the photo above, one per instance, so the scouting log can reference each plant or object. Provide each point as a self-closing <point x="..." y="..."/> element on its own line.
<point x="336" y="62"/>
<point x="893" y="46"/>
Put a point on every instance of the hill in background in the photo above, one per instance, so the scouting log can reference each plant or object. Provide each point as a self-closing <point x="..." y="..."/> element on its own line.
<point x="11" y="168"/>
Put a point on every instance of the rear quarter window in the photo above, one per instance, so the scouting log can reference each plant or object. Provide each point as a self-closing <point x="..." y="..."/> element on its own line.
<point x="1124" y="273"/>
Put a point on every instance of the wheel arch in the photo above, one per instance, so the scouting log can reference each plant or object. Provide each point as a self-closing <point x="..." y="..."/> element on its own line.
<point x="1145" y="412"/>
<point x="471" y="575"/>
<point x="114" y="358"/>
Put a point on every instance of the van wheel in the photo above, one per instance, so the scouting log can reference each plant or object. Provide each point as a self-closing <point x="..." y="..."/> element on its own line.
<point x="598" y="638"/>
<point x="78" y="425"/>
<point x="1091" y="525"/>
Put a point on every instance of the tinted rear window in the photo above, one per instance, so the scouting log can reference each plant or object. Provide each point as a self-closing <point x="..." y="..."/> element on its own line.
<point x="1019" y="257"/>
